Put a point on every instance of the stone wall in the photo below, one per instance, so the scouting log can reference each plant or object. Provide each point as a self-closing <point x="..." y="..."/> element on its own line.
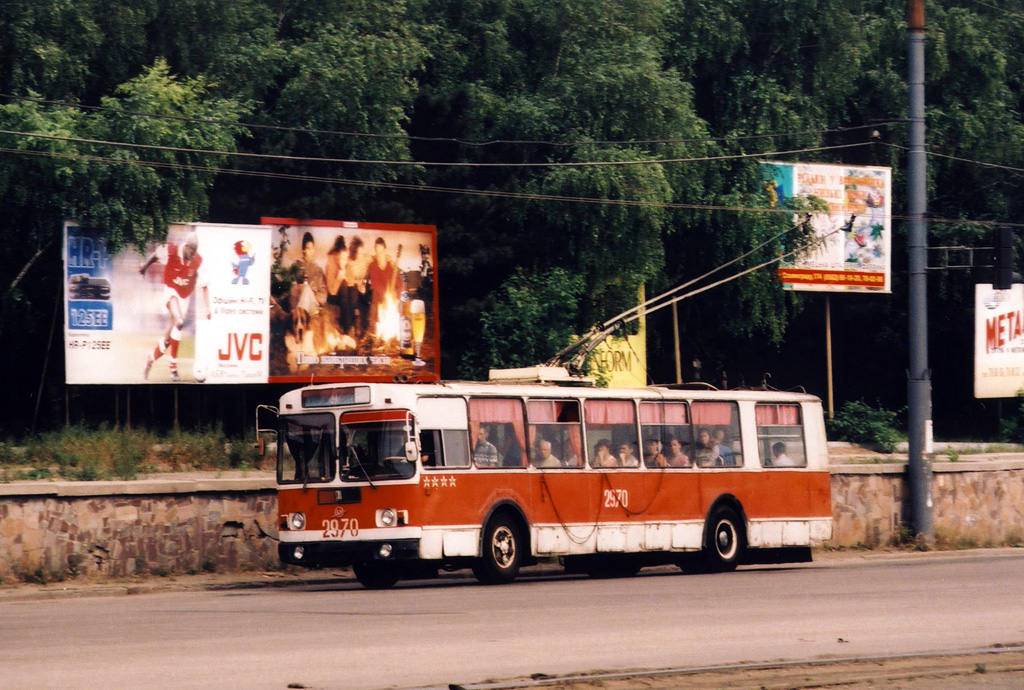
<point x="974" y="503"/>
<point x="54" y="529"/>
<point x="115" y="529"/>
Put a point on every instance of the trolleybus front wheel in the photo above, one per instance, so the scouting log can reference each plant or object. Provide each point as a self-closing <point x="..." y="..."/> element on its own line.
<point x="376" y="575"/>
<point x="501" y="555"/>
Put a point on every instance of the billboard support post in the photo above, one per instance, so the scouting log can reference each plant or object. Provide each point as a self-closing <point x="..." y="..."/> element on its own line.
<point x="828" y="355"/>
<point x="918" y="374"/>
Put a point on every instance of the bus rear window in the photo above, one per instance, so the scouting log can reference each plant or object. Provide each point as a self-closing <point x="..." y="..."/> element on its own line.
<point x="780" y="436"/>
<point x="307" y="449"/>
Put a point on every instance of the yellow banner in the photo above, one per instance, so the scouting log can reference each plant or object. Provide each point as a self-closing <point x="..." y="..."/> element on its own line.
<point x="622" y="362"/>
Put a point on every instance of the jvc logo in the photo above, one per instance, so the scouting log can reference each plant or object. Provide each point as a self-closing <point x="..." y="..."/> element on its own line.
<point x="242" y="346"/>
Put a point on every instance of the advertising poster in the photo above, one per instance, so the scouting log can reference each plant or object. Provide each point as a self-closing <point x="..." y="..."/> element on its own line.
<point x="89" y="306"/>
<point x="998" y="341"/>
<point x="352" y="301"/>
<point x="233" y="334"/>
<point x="857" y="259"/>
<point x="190" y="310"/>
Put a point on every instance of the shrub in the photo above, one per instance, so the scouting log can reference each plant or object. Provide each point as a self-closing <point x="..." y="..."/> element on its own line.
<point x="858" y="422"/>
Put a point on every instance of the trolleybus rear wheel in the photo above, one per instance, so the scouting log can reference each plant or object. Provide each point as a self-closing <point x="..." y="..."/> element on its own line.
<point x="376" y="575"/>
<point x="725" y="541"/>
<point x="502" y="552"/>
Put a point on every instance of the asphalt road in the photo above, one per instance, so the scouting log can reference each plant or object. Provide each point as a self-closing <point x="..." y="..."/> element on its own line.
<point x="336" y="635"/>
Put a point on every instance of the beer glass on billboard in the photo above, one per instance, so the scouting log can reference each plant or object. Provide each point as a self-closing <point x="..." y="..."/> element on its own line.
<point x="418" y="314"/>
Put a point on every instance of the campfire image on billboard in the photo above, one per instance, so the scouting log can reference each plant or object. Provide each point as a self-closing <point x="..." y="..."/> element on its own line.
<point x="352" y="301"/>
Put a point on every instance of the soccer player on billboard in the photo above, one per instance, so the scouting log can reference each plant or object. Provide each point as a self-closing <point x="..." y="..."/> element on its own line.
<point x="181" y="277"/>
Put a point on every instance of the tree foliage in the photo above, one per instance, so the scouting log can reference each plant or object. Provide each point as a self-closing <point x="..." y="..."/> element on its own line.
<point x="527" y="88"/>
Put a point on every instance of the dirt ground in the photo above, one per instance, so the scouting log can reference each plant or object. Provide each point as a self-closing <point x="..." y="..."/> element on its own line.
<point x="999" y="670"/>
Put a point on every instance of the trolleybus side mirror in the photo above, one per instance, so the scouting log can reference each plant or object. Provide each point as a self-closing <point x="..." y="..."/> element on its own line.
<point x="269" y="414"/>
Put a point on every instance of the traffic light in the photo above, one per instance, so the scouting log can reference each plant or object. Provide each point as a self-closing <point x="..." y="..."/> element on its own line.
<point x="1003" y="274"/>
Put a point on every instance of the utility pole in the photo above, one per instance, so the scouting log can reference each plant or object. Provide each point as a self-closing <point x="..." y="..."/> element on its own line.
<point x="919" y="391"/>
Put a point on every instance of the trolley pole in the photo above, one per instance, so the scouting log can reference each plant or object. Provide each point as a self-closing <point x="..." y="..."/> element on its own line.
<point x="919" y="394"/>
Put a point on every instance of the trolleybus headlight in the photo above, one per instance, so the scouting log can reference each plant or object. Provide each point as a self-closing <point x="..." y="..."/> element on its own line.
<point x="385" y="551"/>
<point x="387" y="517"/>
<point x="299" y="552"/>
<point x="296" y="520"/>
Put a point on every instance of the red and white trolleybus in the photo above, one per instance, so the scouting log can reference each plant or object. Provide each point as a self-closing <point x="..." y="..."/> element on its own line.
<point x="400" y="480"/>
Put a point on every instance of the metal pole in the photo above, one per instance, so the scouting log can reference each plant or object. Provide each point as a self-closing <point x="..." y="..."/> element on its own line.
<point x="919" y="394"/>
<point x="675" y="333"/>
<point x="828" y="355"/>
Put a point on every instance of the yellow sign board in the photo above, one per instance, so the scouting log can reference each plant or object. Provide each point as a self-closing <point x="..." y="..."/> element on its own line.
<point x="623" y="361"/>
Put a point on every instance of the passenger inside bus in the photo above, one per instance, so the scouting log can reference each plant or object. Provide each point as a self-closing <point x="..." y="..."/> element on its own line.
<point x="626" y="456"/>
<point x="653" y="456"/>
<point x="543" y="456"/>
<point x="676" y="456"/>
<point x="485" y="454"/>
<point x="722" y="449"/>
<point x="705" y="449"/>
<point x="779" y="456"/>
<point x="602" y="456"/>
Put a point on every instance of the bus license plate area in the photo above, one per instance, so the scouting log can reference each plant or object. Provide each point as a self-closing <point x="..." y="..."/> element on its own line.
<point x="344" y="495"/>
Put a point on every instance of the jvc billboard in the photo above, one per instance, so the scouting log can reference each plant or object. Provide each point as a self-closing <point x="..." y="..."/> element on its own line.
<point x="277" y="302"/>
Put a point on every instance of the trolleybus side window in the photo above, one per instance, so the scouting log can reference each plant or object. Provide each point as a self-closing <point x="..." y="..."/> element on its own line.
<point x="717" y="441"/>
<point x="443" y="432"/>
<point x="556" y="424"/>
<point x="611" y="423"/>
<point x="308" y="451"/>
<point x="498" y="432"/>
<point x="780" y="435"/>
<point x="665" y="428"/>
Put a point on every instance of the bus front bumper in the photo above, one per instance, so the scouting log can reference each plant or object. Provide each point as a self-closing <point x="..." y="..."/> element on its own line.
<point x="334" y="554"/>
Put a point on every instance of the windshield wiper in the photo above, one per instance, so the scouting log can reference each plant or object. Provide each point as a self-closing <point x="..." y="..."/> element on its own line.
<point x="350" y="453"/>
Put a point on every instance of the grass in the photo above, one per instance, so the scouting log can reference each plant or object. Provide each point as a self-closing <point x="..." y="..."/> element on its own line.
<point x="80" y="454"/>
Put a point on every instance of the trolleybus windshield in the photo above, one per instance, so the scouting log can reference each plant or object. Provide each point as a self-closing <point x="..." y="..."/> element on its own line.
<point x="309" y="452"/>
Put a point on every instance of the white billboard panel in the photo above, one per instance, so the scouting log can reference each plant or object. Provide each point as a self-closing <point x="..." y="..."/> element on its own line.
<point x="998" y="341"/>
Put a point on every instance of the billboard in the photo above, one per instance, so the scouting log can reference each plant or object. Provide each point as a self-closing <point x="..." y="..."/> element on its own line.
<point x="191" y="309"/>
<point x="998" y="341"/>
<point x="353" y="301"/>
<point x="858" y="259"/>
<point x="220" y="303"/>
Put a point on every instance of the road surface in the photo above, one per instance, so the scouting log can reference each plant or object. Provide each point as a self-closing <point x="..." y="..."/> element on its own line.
<point x="335" y="635"/>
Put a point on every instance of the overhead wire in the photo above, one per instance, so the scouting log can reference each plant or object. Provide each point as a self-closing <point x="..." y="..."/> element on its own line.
<point x="397" y="185"/>
<point x="453" y="164"/>
<point x="586" y="344"/>
<point x="453" y="140"/>
<point x="462" y="190"/>
<point x="936" y="154"/>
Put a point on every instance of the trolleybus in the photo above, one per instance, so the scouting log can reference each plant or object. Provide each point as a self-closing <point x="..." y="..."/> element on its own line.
<point x="402" y="480"/>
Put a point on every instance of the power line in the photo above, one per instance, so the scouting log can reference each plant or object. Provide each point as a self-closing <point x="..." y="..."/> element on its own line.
<point x="362" y="161"/>
<point x="465" y="142"/>
<point x="999" y="9"/>
<point x="464" y="191"/>
<point x="397" y="185"/>
<point x="1008" y="168"/>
